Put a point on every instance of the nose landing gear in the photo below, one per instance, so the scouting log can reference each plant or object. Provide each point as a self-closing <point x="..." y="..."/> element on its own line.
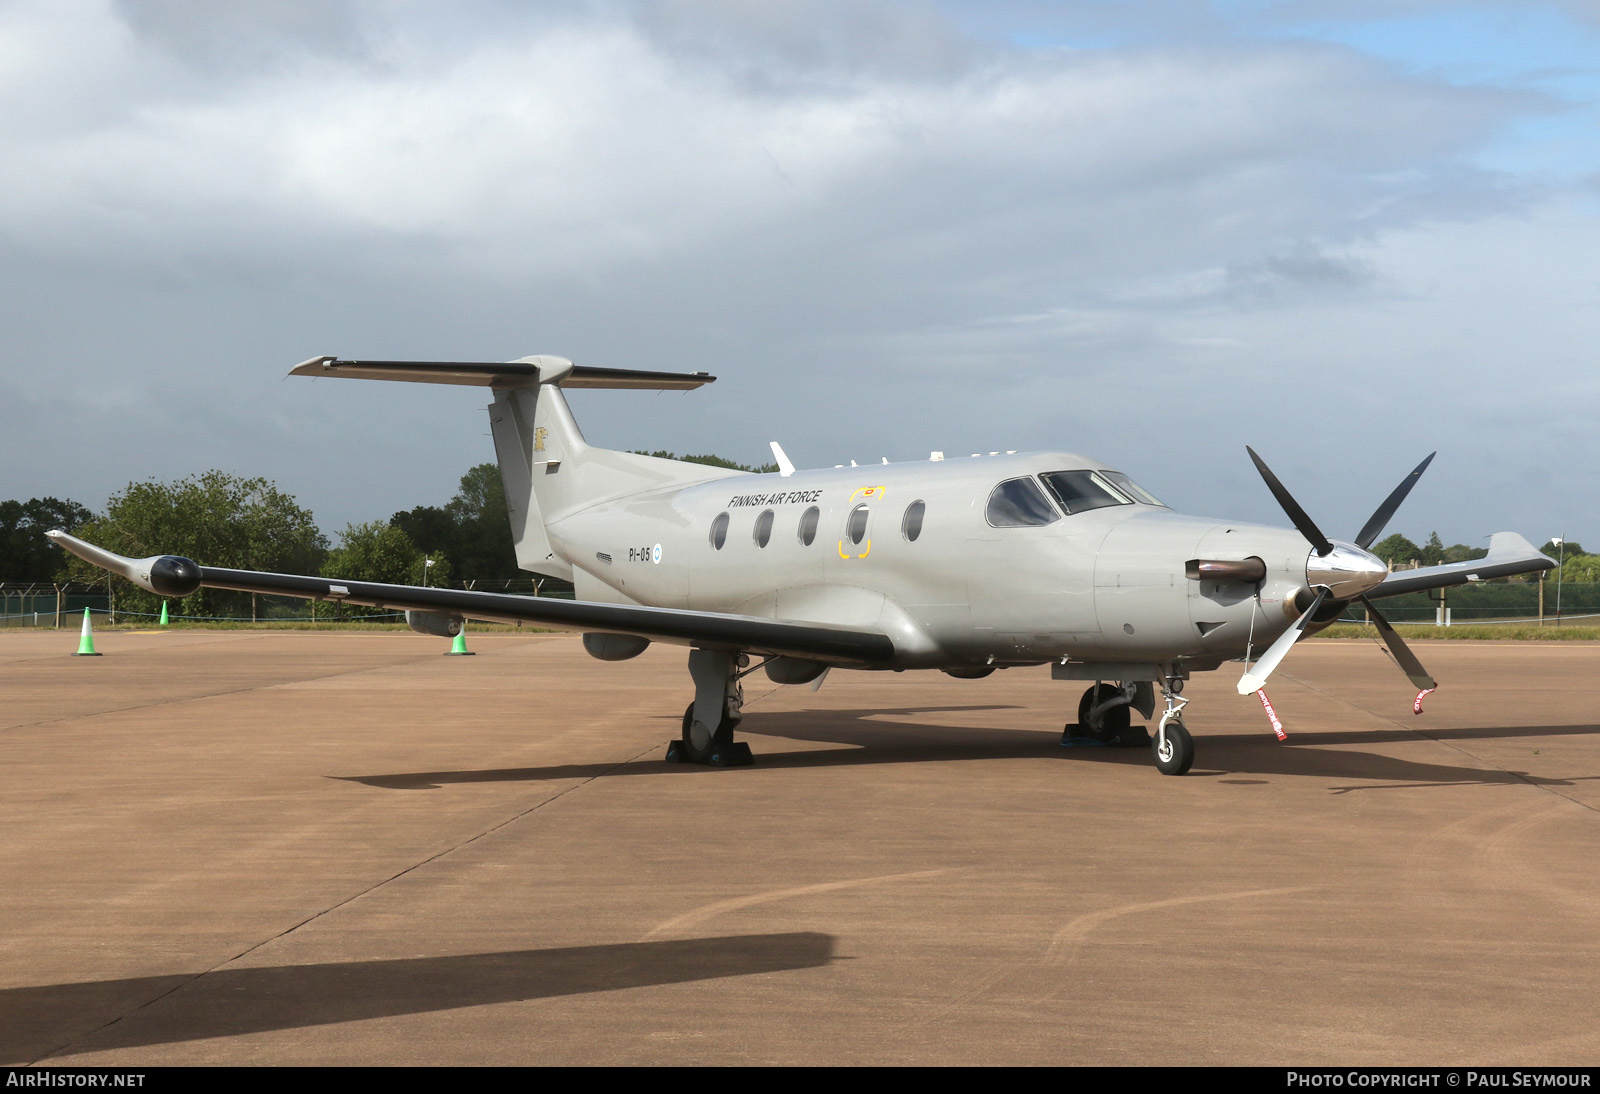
<point x="1172" y="745"/>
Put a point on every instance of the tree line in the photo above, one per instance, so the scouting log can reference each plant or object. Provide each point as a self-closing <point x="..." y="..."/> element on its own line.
<point x="226" y="520"/>
<point x="1399" y="552"/>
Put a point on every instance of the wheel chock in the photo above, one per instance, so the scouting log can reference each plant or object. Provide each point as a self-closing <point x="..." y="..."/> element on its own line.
<point x="735" y="754"/>
<point x="1074" y="736"/>
<point x="676" y="753"/>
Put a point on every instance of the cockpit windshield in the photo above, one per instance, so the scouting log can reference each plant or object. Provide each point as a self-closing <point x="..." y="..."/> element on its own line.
<point x="1080" y="491"/>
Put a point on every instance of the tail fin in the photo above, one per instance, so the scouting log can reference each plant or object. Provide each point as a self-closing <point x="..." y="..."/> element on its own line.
<point x="548" y="469"/>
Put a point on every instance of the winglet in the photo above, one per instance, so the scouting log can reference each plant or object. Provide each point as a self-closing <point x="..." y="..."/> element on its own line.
<point x="1510" y="544"/>
<point x="167" y="575"/>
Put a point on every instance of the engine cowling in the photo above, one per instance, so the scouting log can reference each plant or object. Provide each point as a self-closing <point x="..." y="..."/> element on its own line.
<point x="792" y="670"/>
<point x="438" y="624"/>
<point x="614" y="647"/>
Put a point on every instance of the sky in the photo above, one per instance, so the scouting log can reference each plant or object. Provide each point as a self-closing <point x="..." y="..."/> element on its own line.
<point x="1152" y="232"/>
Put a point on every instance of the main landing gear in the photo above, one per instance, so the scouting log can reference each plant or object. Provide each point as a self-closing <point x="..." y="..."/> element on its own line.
<point x="717" y="708"/>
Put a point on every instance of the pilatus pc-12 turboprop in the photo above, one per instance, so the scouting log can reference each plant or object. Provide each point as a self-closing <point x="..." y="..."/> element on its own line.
<point x="962" y="565"/>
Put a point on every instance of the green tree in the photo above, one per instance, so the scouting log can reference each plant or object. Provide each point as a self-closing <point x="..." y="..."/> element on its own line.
<point x="1432" y="551"/>
<point x="1460" y="552"/>
<point x="1577" y="568"/>
<point x="1396" y="549"/>
<point x="215" y="518"/>
<point x="473" y="529"/>
<point x="1565" y="550"/>
<point x="376" y="551"/>
<point x="25" y="553"/>
<point x="710" y="461"/>
<point x="484" y="550"/>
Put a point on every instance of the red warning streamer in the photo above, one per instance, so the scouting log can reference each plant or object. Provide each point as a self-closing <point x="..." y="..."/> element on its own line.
<point x="1272" y="715"/>
<point x="1416" y="704"/>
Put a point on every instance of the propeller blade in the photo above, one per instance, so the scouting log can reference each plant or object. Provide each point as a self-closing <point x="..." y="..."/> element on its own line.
<point x="1256" y="678"/>
<point x="1376" y="522"/>
<point x="1297" y="515"/>
<point x="1398" y="649"/>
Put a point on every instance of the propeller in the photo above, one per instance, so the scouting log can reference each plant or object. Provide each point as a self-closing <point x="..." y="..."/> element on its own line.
<point x="1347" y="572"/>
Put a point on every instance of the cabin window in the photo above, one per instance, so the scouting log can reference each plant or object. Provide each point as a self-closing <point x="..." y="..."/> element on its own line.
<point x="855" y="528"/>
<point x="911" y="526"/>
<point x="719" y="531"/>
<point x="1019" y="503"/>
<point x="763" y="532"/>
<point x="1080" y="491"/>
<point x="808" y="525"/>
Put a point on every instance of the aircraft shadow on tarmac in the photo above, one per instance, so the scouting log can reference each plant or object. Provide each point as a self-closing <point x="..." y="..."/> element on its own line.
<point x="884" y="735"/>
<point x="66" y="1019"/>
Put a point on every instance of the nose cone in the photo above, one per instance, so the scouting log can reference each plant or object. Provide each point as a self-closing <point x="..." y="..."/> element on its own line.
<point x="1347" y="570"/>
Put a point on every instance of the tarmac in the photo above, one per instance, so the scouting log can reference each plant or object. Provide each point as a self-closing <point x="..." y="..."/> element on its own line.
<point x="296" y="848"/>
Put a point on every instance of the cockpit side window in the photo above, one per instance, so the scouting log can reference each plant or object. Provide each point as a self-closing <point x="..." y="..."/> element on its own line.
<point x="1080" y="491"/>
<point x="1019" y="503"/>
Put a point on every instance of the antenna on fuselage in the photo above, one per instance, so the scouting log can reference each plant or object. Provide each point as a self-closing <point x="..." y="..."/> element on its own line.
<point x="785" y="465"/>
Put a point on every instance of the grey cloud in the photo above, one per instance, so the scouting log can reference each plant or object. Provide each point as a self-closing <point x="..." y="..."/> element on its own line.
<point x="905" y="236"/>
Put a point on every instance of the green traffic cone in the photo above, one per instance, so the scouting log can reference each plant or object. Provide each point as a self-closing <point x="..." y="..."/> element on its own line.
<point x="458" y="648"/>
<point x="163" y="613"/>
<point x="86" y="638"/>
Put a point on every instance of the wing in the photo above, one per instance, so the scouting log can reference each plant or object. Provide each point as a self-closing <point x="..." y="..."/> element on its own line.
<point x="171" y="575"/>
<point x="1508" y="554"/>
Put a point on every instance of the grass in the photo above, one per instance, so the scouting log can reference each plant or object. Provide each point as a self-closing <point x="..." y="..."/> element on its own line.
<point x="1501" y="632"/>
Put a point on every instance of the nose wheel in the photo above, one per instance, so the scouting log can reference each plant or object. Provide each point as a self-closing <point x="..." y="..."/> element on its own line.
<point x="1173" y="748"/>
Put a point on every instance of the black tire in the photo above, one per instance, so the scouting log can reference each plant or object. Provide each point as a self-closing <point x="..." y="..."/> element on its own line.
<point x="1112" y="722"/>
<point x="1179" y="753"/>
<point x="701" y="753"/>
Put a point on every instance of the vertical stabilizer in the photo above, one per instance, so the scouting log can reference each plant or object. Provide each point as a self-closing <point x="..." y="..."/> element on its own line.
<point x="522" y="444"/>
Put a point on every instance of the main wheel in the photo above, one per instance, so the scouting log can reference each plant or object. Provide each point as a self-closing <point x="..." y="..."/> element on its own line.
<point x="1174" y="749"/>
<point x="698" y="744"/>
<point x="1112" y="721"/>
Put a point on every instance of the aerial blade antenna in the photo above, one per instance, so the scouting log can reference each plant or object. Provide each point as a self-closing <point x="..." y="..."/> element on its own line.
<point x="785" y="465"/>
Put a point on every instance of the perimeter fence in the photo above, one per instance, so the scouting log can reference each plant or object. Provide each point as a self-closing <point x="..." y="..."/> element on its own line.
<point x="37" y="604"/>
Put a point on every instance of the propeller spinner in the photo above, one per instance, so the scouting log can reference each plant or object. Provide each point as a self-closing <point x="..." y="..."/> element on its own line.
<point x="1342" y="572"/>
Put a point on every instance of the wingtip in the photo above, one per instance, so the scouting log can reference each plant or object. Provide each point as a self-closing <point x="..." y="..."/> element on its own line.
<point x="312" y="365"/>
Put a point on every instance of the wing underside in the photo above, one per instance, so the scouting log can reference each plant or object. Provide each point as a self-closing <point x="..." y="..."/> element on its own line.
<point x="707" y="630"/>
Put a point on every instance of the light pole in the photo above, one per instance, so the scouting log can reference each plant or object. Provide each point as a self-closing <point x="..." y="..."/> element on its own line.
<point x="1561" y="558"/>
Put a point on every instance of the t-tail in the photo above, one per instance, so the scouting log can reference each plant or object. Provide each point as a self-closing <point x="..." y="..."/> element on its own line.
<point x="548" y="469"/>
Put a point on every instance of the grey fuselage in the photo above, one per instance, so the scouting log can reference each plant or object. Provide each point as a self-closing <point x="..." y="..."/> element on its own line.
<point x="1108" y="584"/>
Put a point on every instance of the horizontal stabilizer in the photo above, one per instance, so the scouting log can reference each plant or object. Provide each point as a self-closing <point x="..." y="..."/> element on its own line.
<point x="524" y="372"/>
